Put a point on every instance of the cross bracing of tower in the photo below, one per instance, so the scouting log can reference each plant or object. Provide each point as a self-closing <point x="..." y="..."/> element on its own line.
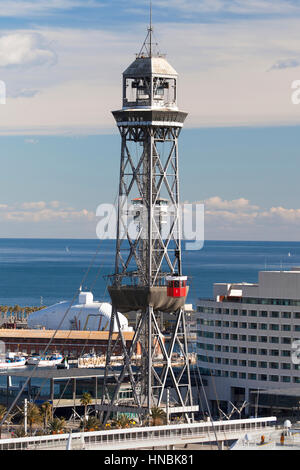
<point x="148" y="278"/>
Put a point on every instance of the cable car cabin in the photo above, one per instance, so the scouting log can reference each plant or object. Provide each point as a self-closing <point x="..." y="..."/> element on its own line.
<point x="176" y="286"/>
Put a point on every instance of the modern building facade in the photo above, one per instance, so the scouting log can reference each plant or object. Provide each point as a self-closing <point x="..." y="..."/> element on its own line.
<point x="247" y="337"/>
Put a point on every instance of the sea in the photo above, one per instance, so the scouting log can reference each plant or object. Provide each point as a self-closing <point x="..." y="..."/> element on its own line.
<point x="36" y="272"/>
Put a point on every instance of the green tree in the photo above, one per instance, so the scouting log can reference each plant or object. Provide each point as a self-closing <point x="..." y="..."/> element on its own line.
<point x="2" y="414"/>
<point x="57" y="426"/>
<point x="157" y="416"/>
<point x="85" y="401"/>
<point x="122" y="422"/>
<point x="46" y="412"/>
<point x="33" y="415"/>
<point x="92" y="424"/>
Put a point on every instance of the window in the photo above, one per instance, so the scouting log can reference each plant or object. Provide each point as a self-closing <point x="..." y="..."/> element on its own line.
<point x="286" y="314"/>
<point x="243" y="325"/>
<point x="274" y="339"/>
<point x="263" y="339"/>
<point x="286" y="327"/>
<point x="275" y="314"/>
<point x="253" y="338"/>
<point x="263" y="365"/>
<point x="252" y="376"/>
<point x="243" y="363"/>
<point x="285" y="379"/>
<point x="253" y="313"/>
<point x="263" y="326"/>
<point x="252" y="364"/>
<point x="285" y="340"/>
<point x="274" y="352"/>
<point x="263" y="313"/>
<point x="274" y="378"/>
<point x="252" y="351"/>
<point x="263" y="352"/>
<point x="286" y="366"/>
<point x="274" y="327"/>
<point x="274" y="365"/>
<point x="253" y="326"/>
<point x="242" y="350"/>
<point x="263" y="377"/>
<point x="286" y="353"/>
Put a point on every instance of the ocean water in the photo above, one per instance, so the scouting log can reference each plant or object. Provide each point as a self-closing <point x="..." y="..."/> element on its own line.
<point x="35" y="272"/>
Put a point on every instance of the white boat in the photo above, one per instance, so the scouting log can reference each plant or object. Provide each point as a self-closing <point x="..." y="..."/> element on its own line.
<point x="12" y="361"/>
<point x="45" y="361"/>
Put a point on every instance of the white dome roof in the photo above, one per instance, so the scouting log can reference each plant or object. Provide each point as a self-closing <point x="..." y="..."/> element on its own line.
<point x="85" y="315"/>
<point x="144" y="66"/>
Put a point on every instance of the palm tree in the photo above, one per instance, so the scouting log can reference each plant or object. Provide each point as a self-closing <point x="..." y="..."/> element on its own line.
<point x="57" y="426"/>
<point x="33" y="415"/>
<point x="2" y="414"/>
<point x="157" y="416"/>
<point x="46" y="412"/>
<point x="92" y="424"/>
<point x="122" y="422"/>
<point x="85" y="401"/>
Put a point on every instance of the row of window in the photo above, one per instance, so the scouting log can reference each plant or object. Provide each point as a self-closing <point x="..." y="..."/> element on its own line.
<point x="250" y="376"/>
<point x="252" y="351"/>
<point x="251" y="326"/>
<point x="250" y="338"/>
<point x="244" y="363"/>
<point x="250" y="313"/>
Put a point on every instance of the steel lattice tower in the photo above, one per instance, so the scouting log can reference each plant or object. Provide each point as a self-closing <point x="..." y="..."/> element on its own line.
<point x="149" y="256"/>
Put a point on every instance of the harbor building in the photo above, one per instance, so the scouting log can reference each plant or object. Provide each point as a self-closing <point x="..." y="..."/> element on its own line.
<point x="69" y="343"/>
<point x="247" y="338"/>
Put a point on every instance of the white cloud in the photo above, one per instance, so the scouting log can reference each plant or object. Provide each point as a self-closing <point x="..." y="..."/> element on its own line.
<point x="41" y="211"/>
<point x="223" y="72"/>
<point x="240" y="220"/>
<point x="216" y="203"/>
<point x="25" y="49"/>
<point x="21" y="8"/>
<point x="245" y="7"/>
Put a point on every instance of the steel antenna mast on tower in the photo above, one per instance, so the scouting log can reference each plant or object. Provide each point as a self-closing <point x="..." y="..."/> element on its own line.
<point x="148" y="278"/>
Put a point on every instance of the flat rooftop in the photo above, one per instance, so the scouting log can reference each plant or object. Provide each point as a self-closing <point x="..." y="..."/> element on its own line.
<point x="56" y="374"/>
<point x="70" y="334"/>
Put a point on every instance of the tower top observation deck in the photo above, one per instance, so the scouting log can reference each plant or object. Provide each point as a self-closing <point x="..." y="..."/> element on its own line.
<point x="150" y="82"/>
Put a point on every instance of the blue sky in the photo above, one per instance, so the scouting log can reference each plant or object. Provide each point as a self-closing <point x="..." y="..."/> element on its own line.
<point x="62" y="61"/>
